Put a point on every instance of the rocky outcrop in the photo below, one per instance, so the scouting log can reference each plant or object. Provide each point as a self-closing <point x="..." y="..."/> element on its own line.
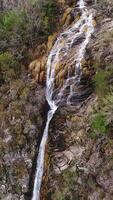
<point x="78" y="166"/>
<point x="101" y="46"/>
<point x="37" y="68"/>
<point x="21" y="119"/>
<point x="66" y="17"/>
<point x="81" y="166"/>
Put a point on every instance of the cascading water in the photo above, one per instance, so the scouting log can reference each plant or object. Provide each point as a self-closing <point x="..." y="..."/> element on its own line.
<point x="63" y="49"/>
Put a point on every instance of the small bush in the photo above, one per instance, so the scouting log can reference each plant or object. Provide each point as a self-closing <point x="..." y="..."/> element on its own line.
<point x="8" y="67"/>
<point x="7" y="59"/>
<point x="11" y="20"/>
<point x="99" y="123"/>
<point x="99" y="126"/>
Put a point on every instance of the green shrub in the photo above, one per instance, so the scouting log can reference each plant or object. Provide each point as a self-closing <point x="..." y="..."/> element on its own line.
<point x="8" y="66"/>
<point x="99" y="126"/>
<point x="102" y="122"/>
<point x="10" y="20"/>
<point x="99" y="123"/>
<point x="50" y="9"/>
<point x="48" y="16"/>
<point x="21" y="29"/>
<point x="7" y="59"/>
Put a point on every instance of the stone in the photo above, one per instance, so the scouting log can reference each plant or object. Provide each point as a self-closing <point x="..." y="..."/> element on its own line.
<point x="80" y="135"/>
<point x="77" y="151"/>
<point x="106" y="181"/>
<point x="94" y="196"/>
<point x="37" y="68"/>
<point x="41" y="77"/>
<point x="94" y="23"/>
<point x="43" y="62"/>
<point x="32" y="65"/>
<point x="65" y="15"/>
<point x="51" y="40"/>
<point x="68" y="20"/>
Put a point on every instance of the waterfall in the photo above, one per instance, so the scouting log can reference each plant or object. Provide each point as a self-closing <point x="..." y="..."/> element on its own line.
<point x="63" y="49"/>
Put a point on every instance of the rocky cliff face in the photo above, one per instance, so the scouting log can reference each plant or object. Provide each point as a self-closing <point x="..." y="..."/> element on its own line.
<point x="21" y="120"/>
<point x="81" y="163"/>
<point x="78" y="165"/>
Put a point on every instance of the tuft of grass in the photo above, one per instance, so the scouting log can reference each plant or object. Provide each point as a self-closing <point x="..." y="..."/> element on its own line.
<point x="98" y="123"/>
<point x="99" y="126"/>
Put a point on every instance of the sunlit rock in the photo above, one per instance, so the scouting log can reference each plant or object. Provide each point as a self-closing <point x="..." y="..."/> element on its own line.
<point x="65" y="15"/>
<point x="37" y="68"/>
<point x="51" y="40"/>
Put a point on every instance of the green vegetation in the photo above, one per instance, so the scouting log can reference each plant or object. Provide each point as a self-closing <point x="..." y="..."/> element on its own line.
<point x="101" y="122"/>
<point x="22" y="29"/>
<point x="63" y="192"/>
<point x="9" y="67"/>
<point x="102" y="78"/>
<point x="98" y="126"/>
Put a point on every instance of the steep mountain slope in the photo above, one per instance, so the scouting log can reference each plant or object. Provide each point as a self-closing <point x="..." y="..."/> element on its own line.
<point x="79" y="153"/>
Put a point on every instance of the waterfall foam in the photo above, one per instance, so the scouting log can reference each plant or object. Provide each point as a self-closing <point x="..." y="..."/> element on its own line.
<point x="61" y="50"/>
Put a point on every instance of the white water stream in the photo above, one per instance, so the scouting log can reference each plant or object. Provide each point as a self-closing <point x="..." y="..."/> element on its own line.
<point x="82" y="28"/>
